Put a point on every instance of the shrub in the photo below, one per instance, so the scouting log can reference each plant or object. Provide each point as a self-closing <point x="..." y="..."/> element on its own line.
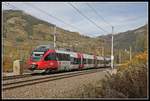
<point x="7" y="64"/>
<point x="130" y="81"/>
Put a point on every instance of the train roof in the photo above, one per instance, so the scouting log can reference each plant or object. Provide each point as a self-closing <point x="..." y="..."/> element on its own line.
<point x="88" y="56"/>
<point x="45" y="48"/>
<point x="62" y="51"/>
<point x="100" y="58"/>
<point x="73" y="54"/>
<point x="41" y="48"/>
<point x="107" y="58"/>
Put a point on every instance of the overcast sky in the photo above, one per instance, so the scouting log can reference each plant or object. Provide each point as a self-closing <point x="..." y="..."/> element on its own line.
<point x="123" y="16"/>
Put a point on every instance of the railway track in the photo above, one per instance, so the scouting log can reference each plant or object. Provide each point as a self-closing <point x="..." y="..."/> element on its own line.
<point x="40" y="79"/>
<point x="16" y="76"/>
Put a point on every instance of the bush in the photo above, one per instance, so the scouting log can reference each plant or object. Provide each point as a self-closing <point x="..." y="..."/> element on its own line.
<point x="7" y="64"/>
<point x="130" y="81"/>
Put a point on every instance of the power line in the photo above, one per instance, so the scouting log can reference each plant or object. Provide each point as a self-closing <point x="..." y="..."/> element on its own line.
<point x="48" y="15"/>
<point x="56" y="18"/>
<point x="8" y="4"/>
<point x="87" y="17"/>
<point x="51" y="15"/>
<point x="98" y="13"/>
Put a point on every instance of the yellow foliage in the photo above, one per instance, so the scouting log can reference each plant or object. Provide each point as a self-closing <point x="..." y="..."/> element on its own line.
<point x="140" y="58"/>
<point x="7" y="64"/>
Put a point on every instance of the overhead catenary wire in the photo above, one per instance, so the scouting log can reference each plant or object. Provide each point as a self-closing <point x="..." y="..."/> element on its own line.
<point x="98" y="14"/>
<point x="52" y="16"/>
<point x="87" y="18"/>
<point x="58" y="19"/>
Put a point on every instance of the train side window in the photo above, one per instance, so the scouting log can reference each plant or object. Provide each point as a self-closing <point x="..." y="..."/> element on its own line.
<point x="58" y="56"/>
<point x="75" y="61"/>
<point x="86" y="61"/>
<point x="102" y="61"/>
<point x="72" y="60"/>
<point x="89" y="61"/>
<point x="68" y="57"/>
<point x="94" y="61"/>
<point x="79" y="61"/>
<point x="63" y="57"/>
<point x="98" y="62"/>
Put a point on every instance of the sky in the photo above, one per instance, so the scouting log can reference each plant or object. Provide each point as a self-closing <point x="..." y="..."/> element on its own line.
<point x="123" y="16"/>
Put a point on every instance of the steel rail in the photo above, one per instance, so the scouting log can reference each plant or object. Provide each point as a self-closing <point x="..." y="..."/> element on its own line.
<point x="46" y="79"/>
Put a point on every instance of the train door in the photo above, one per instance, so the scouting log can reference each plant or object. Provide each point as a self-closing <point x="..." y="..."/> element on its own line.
<point x="95" y="61"/>
<point x="80" y="61"/>
<point x="82" y="64"/>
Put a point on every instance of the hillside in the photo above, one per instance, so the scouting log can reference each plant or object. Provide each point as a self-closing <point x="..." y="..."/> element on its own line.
<point x="136" y="38"/>
<point x="23" y="32"/>
<point x="21" y="27"/>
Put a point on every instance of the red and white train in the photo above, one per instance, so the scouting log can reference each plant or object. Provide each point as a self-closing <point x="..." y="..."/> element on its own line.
<point x="44" y="58"/>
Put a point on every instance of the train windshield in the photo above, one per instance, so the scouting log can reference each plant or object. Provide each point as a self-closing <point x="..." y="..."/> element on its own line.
<point x="36" y="56"/>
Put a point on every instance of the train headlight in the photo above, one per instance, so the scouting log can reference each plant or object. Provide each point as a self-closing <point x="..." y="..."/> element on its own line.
<point x="51" y="63"/>
<point x="34" y="66"/>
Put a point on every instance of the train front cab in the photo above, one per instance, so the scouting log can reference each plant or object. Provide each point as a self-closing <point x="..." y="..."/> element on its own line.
<point x="45" y="61"/>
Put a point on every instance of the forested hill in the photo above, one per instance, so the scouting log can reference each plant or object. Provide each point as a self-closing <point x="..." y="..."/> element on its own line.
<point x="136" y="38"/>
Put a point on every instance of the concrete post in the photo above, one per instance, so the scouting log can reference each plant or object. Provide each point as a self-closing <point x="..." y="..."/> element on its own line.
<point x="17" y="67"/>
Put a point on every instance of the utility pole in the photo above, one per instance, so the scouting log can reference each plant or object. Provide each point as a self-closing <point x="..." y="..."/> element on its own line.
<point x="130" y="53"/>
<point x="102" y="50"/>
<point x="119" y="57"/>
<point x="112" y="57"/>
<point x="54" y="37"/>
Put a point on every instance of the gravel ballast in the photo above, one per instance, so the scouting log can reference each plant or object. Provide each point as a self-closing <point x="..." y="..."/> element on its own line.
<point x="63" y="88"/>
